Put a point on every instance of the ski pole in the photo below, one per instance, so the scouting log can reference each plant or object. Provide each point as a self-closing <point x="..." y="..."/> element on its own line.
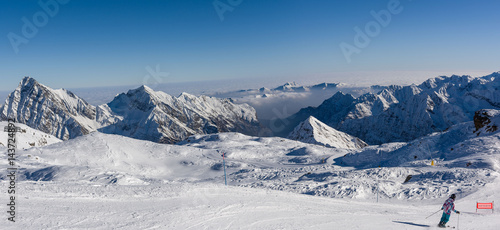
<point x="458" y="221"/>
<point x="224" y="162"/>
<point x="433" y="213"/>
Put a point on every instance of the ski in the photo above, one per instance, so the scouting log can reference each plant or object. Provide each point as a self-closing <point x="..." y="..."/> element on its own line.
<point x="448" y="226"/>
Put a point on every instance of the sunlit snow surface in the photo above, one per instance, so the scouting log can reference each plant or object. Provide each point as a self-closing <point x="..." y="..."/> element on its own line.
<point x="26" y="137"/>
<point x="102" y="181"/>
<point x="50" y="205"/>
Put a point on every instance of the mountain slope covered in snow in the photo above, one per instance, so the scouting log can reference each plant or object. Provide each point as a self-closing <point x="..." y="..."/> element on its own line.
<point x="404" y="113"/>
<point x="56" y="112"/>
<point x="27" y="137"/>
<point x="277" y="163"/>
<point x="314" y="131"/>
<point x="141" y="113"/>
<point x="149" y="115"/>
<point x="472" y="145"/>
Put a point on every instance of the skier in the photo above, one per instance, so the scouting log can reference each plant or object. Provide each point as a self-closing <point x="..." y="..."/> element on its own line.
<point x="448" y="206"/>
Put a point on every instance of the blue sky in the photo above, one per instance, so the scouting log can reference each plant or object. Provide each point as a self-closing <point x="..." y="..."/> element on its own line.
<point x="89" y="43"/>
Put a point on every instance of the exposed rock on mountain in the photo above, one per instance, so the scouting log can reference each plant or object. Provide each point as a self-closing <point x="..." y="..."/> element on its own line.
<point x="486" y="121"/>
<point x="27" y="137"/>
<point x="470" y="144"/>
<point x="145" y="114"/>
<point x="141" y="113"/>
<point x="314" y="131"/>
<point x="404" y="113"/>
<point x="56" y="112"/>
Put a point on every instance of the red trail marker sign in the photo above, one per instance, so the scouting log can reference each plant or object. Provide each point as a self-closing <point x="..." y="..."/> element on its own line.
<point x="484" y="206"/>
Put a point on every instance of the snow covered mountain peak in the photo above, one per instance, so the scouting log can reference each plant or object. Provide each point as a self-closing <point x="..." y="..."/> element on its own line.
<point x="143" y="90"/>
<point x="140" y="113"/>
<point x="57" y="112"/>
<point x="156" y="116"/>
<point x="27" y="80"/>
<point x="404" y="113"/>
<point x="142" y="99"/>
<point x="314" y="131"/>
<point x="287" y="86"/>
<point x="186" y="95"/>
<point x="294" y="87"/>
<point x="444" y="81"/>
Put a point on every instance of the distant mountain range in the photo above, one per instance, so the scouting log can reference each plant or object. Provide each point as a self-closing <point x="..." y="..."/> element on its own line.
<point x="287" y="87"/>
<point x="287" y="99"/>
<point x="404" y="113"/>
<point x="145" y="114"/>
<point x="141" y="113"/>
<point x="391" y="114"/>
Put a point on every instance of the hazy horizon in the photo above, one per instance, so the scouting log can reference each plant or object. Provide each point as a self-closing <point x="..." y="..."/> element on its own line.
<point x="102" y="94"/>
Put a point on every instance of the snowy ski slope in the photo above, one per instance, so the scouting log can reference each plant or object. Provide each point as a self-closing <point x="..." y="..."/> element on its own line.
<point x="103" y="181"/>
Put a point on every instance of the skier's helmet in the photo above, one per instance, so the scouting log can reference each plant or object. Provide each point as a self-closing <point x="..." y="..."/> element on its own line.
<point x="453" y="196"/>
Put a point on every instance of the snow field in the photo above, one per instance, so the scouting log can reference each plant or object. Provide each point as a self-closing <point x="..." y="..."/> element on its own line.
<point x="54" y="205"/>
